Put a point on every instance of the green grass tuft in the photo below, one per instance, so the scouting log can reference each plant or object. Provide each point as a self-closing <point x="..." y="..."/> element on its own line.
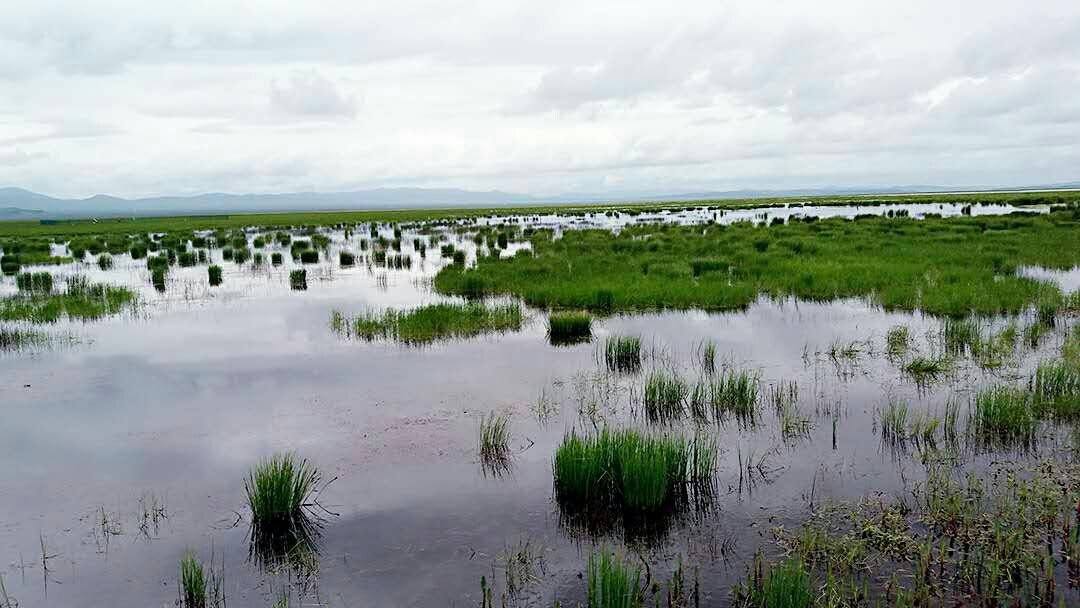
<point x="431" y="323"/>
<point x="622" y="353"/>
<point x="612" y="583"/>
<point x="569" y="327"/>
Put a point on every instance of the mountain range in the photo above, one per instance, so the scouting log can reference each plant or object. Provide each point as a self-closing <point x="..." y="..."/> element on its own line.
<point x="21" y="204"/>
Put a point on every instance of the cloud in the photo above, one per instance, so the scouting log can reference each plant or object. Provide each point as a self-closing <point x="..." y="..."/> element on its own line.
<point x="140" y="98"/>
<point x="308" y="93"/>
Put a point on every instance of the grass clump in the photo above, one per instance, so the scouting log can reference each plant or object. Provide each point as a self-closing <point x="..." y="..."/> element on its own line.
<point x="927" y="369"/>
<point x="735" y="392"/>
<point x="569" y="327"/>
<point x="157" y="278"/>
<point x="494" y="445"/>
<point x="34" y="282"/>
<point x="309" y="256"/>
<point x="787" y="584"/>
<point x="280" y="494"/>
<point x="898" y="340"/>
<point x="192" y="583"/>
<point x="1003" y="416"/>
<point x="664" y="397"/>
<point x="105" y="261"/>
<point x="346" y="258"/>
<point x="298" y="280"/>
<point x="612" y="583"/>
<point x="630" y="471"/>
<point x="1056" y="385"/>
<point x="622" y="353"/>
<point x="214" y="273"/>
<point x="276" y="258"/>
<point x="81" y="300"/>
<point x="430" y="323"/>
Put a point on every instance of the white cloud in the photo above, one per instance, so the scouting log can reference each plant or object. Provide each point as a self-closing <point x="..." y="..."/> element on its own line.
<point x="308" y="93"/>
<point x="148" y="97"/>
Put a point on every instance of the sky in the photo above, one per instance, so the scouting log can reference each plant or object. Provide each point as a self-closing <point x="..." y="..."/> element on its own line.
<point x="145" y="98"/>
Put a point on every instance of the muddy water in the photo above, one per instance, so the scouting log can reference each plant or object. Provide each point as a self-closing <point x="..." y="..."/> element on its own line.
<point x="179" y="399"/>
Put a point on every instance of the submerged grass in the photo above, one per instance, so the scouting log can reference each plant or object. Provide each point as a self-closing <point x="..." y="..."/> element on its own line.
<point x="431" y="323"/>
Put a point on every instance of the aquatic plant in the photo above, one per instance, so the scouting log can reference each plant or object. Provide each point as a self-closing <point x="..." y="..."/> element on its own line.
<point x="494" y="442"/>
<point x="926" y="369"/>
<point x="735" y="392"/>
<point x="105" y="261"/>
<point x="280" y="493"/>
<point x="298" y="279"/>
<point x="309" y="256"/>
<point x="430" y="323"/>
<point x="622" y="353"/>
<point x="276" y="258"/>
<point x="612" y="583"/>
<point x="569" y="327"/>
<point x="631" y="471"/>
<point x="346" y="258"/>
<point x="193" y="582"/>
<point x="708" y="356"/>
<point x="1003" y="415"/>
<point x="897" y="340"/>
<point x="157" y="277"/>
<point x="34" y="282"/>
<point x="214" y="273"/>
<point x="81" y="300"/>
<point x="786" y="584"/>
<point x="664" y="396"/>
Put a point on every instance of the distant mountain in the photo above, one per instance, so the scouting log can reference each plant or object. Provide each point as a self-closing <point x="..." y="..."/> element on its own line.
<point x="17" y="203"/>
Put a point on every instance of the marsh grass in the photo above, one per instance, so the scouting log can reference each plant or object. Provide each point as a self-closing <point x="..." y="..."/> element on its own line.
<point x="736" y="393"/>
<point x="623" y="353"/>
<point x="1003" y="416"/>
<point x="708" y="356"/>
<point x="786" y="584"/>
<point x="276" y="259"/>
<point x="34" y="282"/>
<point x="942" y="266"/>
<point x="565" y="328"/>
<point x="280" y="494"/>
<point x="628" y="471"/>
<point x="924" y="370"/>
<point x="214" y="274"/>
<point x="81" y="300"/>
<point x="664" y="396"/>
<point x="105" y="261"/>
<point x="431" y="323"/>
<point x="784" y="398"/>
<point x="958" y="336"/>
<point x="298" y="280"/>
<point x="612" y="583"/>
<point x="346" y="258"/>
<point x="199" y="588"/>
<point x="1056" y="387"/>
<point x="494" y="441"/>
<point x="897" y="340"/>
<point x="14" y="339"/>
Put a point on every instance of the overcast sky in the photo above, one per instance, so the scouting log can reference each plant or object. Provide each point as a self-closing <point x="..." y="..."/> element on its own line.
<point x="146" y="97"/>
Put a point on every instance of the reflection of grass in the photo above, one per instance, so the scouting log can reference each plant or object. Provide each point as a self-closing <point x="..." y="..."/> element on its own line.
<point x="280" y="493"/>
<point x="81" y="300"/>
<point x="430" y="323"/>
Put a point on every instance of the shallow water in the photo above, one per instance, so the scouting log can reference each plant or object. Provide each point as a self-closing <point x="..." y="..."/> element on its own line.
<point x="179" y="399"/>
